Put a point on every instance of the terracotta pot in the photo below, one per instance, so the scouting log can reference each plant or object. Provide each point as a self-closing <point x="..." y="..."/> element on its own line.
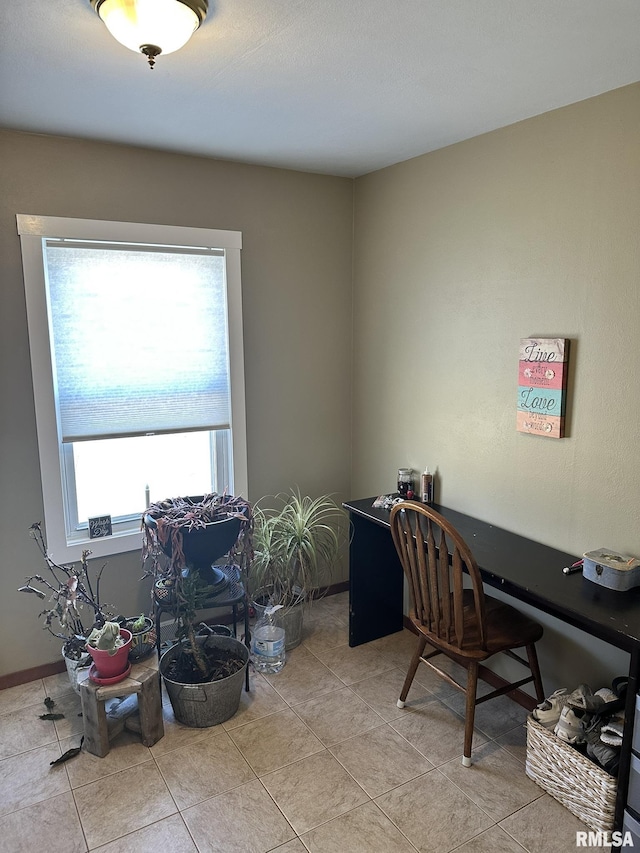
<point x="110" y="666"/>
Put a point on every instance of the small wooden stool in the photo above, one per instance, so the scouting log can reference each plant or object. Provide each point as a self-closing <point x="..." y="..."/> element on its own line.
<point x="143" y="681"/>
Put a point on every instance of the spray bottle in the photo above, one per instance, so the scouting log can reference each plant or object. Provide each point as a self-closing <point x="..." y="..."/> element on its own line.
<point x="426" y="487"/>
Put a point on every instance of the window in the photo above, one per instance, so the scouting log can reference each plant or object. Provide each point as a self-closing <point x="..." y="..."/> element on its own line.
<point x="135" y="334"/>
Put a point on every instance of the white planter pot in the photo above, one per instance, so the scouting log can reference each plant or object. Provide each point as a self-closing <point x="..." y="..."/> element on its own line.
<point x="73" y="666"/>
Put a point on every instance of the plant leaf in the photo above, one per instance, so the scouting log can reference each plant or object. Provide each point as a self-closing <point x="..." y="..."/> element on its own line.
<point x="70" y="753"/>
<point x="32" y="589"/>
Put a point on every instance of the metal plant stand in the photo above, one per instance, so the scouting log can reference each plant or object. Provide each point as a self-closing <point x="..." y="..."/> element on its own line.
<point x="232" y="594"/>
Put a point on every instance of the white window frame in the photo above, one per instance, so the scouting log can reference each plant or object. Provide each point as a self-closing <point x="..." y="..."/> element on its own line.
<point x="33" y="230"/>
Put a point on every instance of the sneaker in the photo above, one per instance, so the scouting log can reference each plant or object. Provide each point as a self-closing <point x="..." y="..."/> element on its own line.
<point x="548" y="712"/>
<point x="571" y="727"/>
<point x="584" y="699"/>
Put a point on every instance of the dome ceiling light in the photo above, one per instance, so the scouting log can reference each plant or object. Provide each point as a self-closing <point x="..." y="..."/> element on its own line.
<point x="152" y="27"/>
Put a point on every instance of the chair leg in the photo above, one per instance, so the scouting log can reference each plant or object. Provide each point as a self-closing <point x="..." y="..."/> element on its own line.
<point x="470" y="712"/>
<point x="535" y="671"/>
<point x="413" y="666"/>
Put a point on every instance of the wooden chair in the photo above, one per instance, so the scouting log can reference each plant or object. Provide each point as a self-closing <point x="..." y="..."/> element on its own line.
<point x="463" y="624"/>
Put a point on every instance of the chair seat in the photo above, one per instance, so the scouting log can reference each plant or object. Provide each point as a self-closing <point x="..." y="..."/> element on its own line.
<point x="505" y="628"/>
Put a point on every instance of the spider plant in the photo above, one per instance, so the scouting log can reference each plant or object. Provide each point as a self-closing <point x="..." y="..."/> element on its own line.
<point x="297" y="543"/>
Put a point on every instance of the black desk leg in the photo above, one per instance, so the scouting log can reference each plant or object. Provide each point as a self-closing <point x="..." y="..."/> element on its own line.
<point x="627" y="738"/>
<point x="375" y="583"/>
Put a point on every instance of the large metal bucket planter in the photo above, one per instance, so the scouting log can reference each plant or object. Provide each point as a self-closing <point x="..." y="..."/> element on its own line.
<point x="211" y="703"/>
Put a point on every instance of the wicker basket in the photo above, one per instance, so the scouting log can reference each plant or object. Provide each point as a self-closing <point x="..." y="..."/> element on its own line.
<point x="574" y="780"/>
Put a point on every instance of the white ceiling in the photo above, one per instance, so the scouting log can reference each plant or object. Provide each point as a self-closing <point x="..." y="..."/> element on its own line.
<point x="334" y="86"/>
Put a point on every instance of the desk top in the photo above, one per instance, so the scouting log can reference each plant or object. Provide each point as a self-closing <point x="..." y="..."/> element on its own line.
<point x="532" y="572"/>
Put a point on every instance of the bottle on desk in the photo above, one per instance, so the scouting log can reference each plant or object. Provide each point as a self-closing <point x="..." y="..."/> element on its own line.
<point x="426" y="487"/>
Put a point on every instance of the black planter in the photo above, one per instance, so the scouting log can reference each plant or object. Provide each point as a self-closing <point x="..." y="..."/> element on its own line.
<point x="202" y="546"/>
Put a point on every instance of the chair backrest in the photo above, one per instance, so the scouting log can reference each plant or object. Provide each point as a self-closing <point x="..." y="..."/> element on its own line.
<point x="434" y="557"/>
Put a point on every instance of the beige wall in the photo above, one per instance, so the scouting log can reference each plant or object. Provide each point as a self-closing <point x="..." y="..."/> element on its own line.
<point x="532" y="230"/>
<point x="296" y="265"/>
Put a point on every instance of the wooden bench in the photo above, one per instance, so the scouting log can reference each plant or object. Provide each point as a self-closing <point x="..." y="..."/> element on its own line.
<point x="144" y="682"/>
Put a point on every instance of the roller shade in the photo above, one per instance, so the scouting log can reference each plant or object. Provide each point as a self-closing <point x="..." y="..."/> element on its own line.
<point x="139" y="339"/>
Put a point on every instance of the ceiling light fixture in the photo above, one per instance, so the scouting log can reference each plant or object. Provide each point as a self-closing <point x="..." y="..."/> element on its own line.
<point x="152" y="27"/>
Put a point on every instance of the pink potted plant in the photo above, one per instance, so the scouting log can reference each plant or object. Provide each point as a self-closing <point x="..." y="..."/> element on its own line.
<point x="109" y="647"/>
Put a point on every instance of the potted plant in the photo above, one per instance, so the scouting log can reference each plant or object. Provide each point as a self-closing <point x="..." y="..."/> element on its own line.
<point x="297" y="542"/>
<point x="109" y="647"/>
<point x="143" y="635"/>
<point x="203" y="671"/>
<point x="73" y="608"/>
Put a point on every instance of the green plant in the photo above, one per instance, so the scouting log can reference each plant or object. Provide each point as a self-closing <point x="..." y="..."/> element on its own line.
<point x="297" y="543"/>
<point x="106" y="638"/>
<point x="137" y="625"/>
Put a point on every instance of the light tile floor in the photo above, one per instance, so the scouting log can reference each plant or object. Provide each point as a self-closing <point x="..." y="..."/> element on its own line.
<point x="318" y="759"/>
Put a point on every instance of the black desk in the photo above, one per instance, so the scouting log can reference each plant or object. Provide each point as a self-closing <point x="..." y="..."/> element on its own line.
<point x="520" y="567"/>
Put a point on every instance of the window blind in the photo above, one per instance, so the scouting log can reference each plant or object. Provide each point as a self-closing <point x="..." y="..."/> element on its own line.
<point x="139" y="339"/>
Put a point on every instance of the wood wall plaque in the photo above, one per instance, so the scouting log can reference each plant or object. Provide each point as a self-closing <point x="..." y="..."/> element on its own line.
<point x="542" y="386"/>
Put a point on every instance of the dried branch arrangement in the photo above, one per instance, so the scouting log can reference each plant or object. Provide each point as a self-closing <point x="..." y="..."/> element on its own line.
<point x="69" y="590"/>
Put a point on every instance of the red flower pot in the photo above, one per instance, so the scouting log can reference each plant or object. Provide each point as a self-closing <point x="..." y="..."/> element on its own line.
<point x="111" y="666"/>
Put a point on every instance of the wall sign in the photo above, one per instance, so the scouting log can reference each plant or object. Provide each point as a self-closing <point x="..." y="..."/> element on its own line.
<point x="100" y="526"/>
<point x="542" y="386"/>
